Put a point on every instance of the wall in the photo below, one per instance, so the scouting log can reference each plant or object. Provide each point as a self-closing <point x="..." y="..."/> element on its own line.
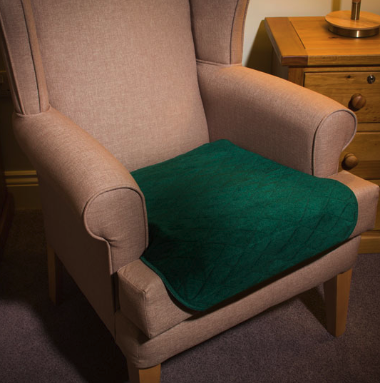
<point x="257" y="47"/>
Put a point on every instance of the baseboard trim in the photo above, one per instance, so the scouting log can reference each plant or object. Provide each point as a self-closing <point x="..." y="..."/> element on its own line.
<point x="21" y="178"/>
<point x="23" y="185"/>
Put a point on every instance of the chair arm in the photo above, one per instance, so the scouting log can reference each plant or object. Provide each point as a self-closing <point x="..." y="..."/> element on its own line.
<point x="275" y="118"/>
<point x="367" y="195"/>
<point x="94" y="183"/>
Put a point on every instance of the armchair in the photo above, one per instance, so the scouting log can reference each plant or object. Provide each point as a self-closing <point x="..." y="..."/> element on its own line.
<point x="102" y="89"/>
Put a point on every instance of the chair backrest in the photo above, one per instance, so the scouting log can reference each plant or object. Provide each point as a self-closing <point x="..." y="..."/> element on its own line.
<point x="123" y="70"/>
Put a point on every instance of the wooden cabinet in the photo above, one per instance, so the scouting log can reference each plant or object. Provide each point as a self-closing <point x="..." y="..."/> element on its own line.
<point x="353" y="88"/>
<point x="344" y="69"/>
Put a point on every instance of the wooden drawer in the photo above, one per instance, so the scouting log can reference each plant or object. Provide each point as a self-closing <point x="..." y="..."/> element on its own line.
<point x="342" y="86"/>
<point x="366" y="148"/>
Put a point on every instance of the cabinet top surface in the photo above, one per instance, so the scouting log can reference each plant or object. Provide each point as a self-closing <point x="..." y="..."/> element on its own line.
<point x="306" y="41"/>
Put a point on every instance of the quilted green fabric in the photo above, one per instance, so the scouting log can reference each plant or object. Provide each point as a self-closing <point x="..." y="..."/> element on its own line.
<point x="223" y="219"/>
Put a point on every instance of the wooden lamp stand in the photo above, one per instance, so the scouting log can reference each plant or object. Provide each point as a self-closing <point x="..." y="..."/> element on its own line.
<point x="353" y="23"/>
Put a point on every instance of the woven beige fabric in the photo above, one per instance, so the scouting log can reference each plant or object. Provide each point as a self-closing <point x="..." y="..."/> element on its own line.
<point x="103" y="87"/>
<point x="275" y="118"/>
<point x="218" y="30"/>
<point x="124" y="84"/>
<point x="146" y="352"/>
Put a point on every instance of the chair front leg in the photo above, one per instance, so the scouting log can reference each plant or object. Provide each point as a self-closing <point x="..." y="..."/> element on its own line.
<point x="146" y="375"/>
<point x="337" y="292"/>
<point x="55" y="272"/>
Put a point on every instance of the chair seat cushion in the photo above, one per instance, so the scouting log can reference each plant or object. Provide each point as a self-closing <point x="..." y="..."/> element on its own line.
<point x="223" y="219"/>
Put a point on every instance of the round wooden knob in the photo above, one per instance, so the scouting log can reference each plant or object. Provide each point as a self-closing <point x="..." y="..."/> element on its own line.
<point x="349" y="161"/>
<point x="357" y="102"/>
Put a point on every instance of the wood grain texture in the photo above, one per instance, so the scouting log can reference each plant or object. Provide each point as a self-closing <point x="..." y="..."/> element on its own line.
<point x="300" y="41"/>
<point x="337" y="293"/>
<point x="146" y="375"/>
<point x="343" y="19"/>
<point x="342" y="86"/>
<point x="370" y="242"/>
<point x="366" y="147"/>
<point x="285" y="41"/>
<point x="337" y="67"/>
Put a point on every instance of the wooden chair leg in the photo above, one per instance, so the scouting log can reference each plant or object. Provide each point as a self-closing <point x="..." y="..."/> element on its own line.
<point x="55" y="272"/>
<point x="337" y="292"/>
<point x="146" y="375"/>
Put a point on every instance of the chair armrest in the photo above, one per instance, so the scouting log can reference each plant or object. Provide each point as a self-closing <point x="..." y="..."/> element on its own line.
<point x="98" y="188"/>
<point x="367" y="195"/>
<point x="275" y="118"/>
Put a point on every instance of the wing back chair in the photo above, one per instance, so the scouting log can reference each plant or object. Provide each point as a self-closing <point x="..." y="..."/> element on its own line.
<point x="102" y="88"/>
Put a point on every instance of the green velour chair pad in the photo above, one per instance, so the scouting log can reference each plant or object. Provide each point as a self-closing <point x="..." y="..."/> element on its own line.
<point x="223" y="219"/>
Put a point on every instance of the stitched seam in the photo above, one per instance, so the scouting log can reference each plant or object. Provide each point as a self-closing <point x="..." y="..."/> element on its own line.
<point x="319" y="127"/>
<point x="31" y="53"/>
<point x="10" y="72"/>
<point x="243" y="27"/>
<point x="232" y="29"/>
<point x="216" y="64"/>
<point x="143" y="292"/>
<point x="91" y="199"/>
<point x="106" y="190"/>
<point x="31" y="115"/>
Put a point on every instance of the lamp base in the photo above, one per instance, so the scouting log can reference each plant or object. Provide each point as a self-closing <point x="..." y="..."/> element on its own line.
<point x="340" y="23"/>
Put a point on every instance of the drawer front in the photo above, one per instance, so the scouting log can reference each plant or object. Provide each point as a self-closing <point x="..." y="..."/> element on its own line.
<point x="365" y="147"/>
<point x="359" y="91"/>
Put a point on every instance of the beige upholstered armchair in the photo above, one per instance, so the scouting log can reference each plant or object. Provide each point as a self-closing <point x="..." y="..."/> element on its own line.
<point x="106" y="88"/>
